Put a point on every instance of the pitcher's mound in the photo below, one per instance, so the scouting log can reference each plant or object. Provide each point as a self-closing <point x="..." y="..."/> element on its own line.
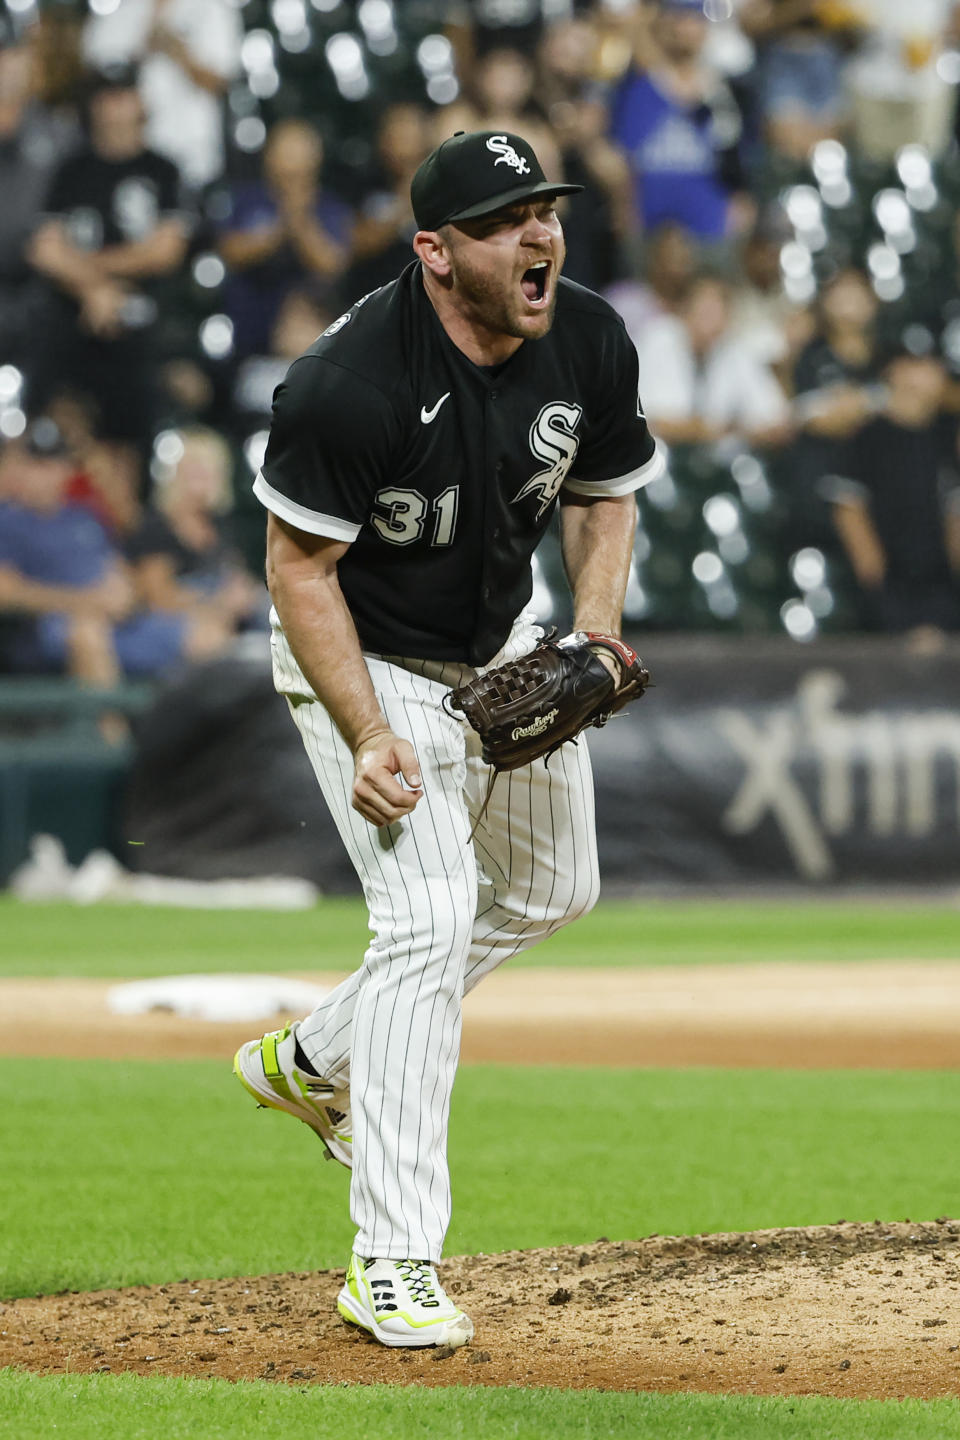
<point x="847" y="1310"/>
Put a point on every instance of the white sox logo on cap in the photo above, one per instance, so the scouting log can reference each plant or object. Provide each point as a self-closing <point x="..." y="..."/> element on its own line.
<point x="458" y="182"/>
<point x="500" y="146"/>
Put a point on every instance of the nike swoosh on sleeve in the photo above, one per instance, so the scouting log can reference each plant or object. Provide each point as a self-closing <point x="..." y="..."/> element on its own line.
<point x="427" y="415"/>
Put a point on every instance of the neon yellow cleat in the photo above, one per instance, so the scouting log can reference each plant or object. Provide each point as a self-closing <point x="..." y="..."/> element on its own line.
<point x="266" y="1068"/>
<point x="402" y="1303"/>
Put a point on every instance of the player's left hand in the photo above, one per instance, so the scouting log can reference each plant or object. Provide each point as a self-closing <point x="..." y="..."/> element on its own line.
<point x="526" y="708"/>
<point x="608" y="663"/>
<point x="378" y="794"/>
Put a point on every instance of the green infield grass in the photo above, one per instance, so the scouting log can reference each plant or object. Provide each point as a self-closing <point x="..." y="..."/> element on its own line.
<point x="134" y="941"/>
<point x="117" y="1173"/>
<point x="95" y="1407"/>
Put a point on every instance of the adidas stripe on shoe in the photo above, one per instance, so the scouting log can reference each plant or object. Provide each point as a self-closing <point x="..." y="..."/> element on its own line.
<point x="402" y="1303"/>
<point x="267" y="1069"/>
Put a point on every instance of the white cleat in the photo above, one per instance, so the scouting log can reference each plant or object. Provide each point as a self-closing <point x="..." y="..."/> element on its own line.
<point x="267" y="1070"/>
<point x="402" y="1303"/>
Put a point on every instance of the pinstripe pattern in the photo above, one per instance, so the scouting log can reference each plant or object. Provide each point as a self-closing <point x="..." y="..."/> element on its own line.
<point x="536" y="855"/>
<point x="443" y="912"/>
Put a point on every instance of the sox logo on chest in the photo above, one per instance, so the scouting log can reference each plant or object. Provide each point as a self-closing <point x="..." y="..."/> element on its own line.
<point x="553" y="438"/>
<point x="402" y="515"/>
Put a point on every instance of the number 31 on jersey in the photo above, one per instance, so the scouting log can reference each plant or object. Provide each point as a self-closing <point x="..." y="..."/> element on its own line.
<point x="400" y="515"/>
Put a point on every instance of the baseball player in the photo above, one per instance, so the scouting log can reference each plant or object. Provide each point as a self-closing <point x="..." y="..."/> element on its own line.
<point x="417" y="452"/>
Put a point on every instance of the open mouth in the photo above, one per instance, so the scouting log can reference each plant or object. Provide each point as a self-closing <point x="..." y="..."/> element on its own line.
<point x="534" y="284"/>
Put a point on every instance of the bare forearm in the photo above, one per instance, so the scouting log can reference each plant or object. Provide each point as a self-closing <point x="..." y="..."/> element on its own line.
<point x="241" y="248"/>
<point x="302" y="576"/>
<point x="690" y="430"/>
<point x="158" y="254"/>
<point x="324" y="641"/>
<point x="597" y="545"/>
<point x="861" y="542"/>
<point x="162" y="591"/>
<point x="766" y="437"/>
<point x="647" y="51"/>
<point x="29" y="597"/>
<point x="835" y="411"/>
<point x="170" y="43"/>
<point x="52" y="254"/>
<point x="201" y="75"/>
<point x="315" y="248"/>
<point x="373" y="233"/>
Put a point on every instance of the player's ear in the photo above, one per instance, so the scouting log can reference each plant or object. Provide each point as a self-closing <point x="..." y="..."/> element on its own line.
<point x="432" y="252"/>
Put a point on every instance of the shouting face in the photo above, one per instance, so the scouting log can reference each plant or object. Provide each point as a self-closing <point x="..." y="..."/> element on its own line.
<point x="503" y="268"/>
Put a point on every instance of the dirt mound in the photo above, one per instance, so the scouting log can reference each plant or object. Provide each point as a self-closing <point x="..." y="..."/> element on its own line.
<point x="848" y="1310"/>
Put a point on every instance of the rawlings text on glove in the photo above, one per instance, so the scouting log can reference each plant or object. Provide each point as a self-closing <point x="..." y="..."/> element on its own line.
<point x="528" y="707"/>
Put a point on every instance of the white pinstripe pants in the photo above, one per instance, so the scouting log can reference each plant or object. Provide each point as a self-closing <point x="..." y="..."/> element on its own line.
<point x="444" y="912"/>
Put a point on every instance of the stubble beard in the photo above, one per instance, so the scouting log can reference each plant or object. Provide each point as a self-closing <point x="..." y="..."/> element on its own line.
<point x="497" y="308"/>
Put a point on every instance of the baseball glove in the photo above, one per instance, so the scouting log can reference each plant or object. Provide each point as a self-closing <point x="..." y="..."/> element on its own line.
<point x="529" y="707"/>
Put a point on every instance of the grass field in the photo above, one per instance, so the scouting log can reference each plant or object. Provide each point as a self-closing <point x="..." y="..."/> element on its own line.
<point x="103" y="1199"/>
<point x="115" y="1173"/>
<point x="90" y="1407"/>
<point x="130" y="941"/>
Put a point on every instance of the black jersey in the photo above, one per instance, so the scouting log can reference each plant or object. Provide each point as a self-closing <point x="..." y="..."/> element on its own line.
<point x="113" y="202"/>
<point x="441" y="474"/>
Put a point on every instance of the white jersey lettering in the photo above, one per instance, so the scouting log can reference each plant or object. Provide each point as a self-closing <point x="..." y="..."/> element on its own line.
<point x="552" y="439"/>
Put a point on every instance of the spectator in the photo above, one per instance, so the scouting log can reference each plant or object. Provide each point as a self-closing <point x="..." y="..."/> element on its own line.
<point x="191" y="388"/>
<point x="10" y="456"/>
<point x="897" y="92"/>
<point x="114" y="226"/>
<point x="503" y="87"/>
<point x="763" y="314"/>
<point x="598" y="223"/>
<point x="280" y="233"/>
<point x="896" y="503"/>
<point x="668" y="265"/>
<point x="478" y="26"/>
<point x="299" y="323"/>
<point x="60" y="573"/>
<point x="800" y="93"/>
<point x="835" y="386"/>
<point x="573" y="146"/>
<point x="188" y="51"/>
<point x="102" y="480"/>
<point x="680" y="126"/>
<point x="568" y="58"/>
<point x="446" y="120"/>
<point x="33" y="140"/>
<point x="300" y="319"/>
<point x="729" y="50"/>
<point x="702" y="384"/>
<point x="183" y="563"/>
<point x="55" y="38"/>
<point x="385" y="225"/>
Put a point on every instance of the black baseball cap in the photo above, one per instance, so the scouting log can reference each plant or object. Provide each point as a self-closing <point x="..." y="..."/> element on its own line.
<point x="476" y="172"/>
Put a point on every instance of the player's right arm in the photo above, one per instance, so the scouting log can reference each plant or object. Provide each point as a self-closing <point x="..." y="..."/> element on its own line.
<point x="302" y="578"/>
<point x="334" y="438"/>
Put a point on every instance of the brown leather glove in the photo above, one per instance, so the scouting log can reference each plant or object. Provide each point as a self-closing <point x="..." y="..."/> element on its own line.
<point x="529" y="707"/>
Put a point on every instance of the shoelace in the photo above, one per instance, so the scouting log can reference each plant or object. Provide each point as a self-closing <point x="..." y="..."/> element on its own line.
<point x="417" y="1278"/>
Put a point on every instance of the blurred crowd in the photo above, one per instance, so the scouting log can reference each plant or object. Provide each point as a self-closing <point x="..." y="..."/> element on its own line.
<point x="192" y="190"/>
